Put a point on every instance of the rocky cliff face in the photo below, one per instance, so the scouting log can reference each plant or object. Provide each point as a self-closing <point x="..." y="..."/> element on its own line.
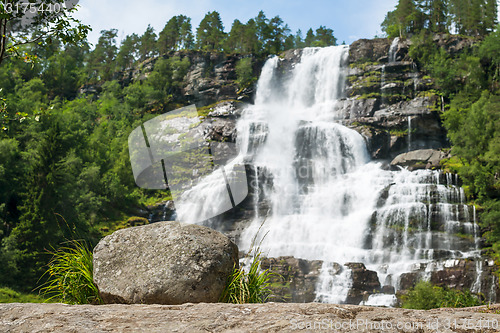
<point x="211" y="77"/>
<point x="390" y="100"/>
<point x="391" y="103"/>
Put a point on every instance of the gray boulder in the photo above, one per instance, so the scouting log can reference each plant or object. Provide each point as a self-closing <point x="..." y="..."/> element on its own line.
<point x="163" y="263"/>
<point x="420" y="159"/>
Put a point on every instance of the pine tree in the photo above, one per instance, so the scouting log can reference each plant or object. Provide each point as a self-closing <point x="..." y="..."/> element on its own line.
<point x="299" y="41"/>
<point x="324" y="37"/>
<point x="251" y="42"/>
<point x="147" y="46"/>
<point x="235" y="39"/>
<point x="186" y="38"/>
<point x="262" y="25"/>
<point x="309" y="38"/>
<point x="101" y="60"/>
<point x="176" y="35"/>
<point x="169" y="36"/>
<point x="210" y="33"/>
<point x="277" y="33"/>
<point x="47" y="217"/>
<point x="127" y="55"/>
<point x="438" y="12"/>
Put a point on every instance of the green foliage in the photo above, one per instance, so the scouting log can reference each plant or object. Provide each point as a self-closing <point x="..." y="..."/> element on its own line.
<point x="101" y="61"/>
<point x="46" y="28"/>
<point x="128" y="53"/>
<point x="425" y="296"/>
<point x="70" y="276"/>
<point x="176" y="35"/>
<point x="210" y="33"/>
<point x="244" y="72"/>
<point x="247" y="287"/>
<point x="147" y="44"/>
<point x="472" y="18"/>
<point x="463" y="74"/>
<point x="475" y="133"/>
<point x="324" y="37"/>
<point x="404" y="20"/>
<point x="8" y="295"/>
<point x="490" y="53"/>
<point x="399" y="132"/>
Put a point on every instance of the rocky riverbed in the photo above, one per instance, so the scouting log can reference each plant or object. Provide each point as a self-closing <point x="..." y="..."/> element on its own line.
<point x="269" y="317"/>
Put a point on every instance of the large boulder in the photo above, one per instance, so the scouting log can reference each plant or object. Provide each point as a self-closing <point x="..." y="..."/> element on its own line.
<point x="420" y="159"/>
<point x="163" y="263"/>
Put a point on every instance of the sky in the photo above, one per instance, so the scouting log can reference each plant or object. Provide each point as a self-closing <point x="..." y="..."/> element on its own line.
<point x="349" y="19"/>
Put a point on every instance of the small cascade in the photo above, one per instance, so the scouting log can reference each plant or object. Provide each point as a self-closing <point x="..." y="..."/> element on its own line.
<point x="381" y="300"/>
<point x="476" y="287"/>
<point x="409" y="222"/>
<point x="409" y="133"/>
<point x="393" y="50"/>
<point x="382" y="83"/>
<point x="391" y="59"/>
<point x="333" y="286"/>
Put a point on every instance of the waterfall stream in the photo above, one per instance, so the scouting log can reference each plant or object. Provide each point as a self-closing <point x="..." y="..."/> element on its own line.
<point x="393" y="49"/>
<point x="328" y="200"/>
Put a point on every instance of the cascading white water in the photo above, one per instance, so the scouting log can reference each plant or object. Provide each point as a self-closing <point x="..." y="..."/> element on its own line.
<point x="393" y="49"/>
<point x="328" y="201"/>
<point x="324" y="191"/>
<point x="409" y="133"/>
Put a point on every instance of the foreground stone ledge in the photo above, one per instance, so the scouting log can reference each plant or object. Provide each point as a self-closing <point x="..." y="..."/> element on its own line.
<point x="269" y="317"/>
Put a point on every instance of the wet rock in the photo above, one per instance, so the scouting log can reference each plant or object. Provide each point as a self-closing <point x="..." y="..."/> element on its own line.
<point x="295" y="279"/>
<point x="163" y="263"/>
<point x="162" y="211"/>
<point x="364" y="283"/>
<point x="388" y="290"/>
<point x="358" y="107"/>
<point x="420" y="159"/>
<point x="364" y="50"/>
<point x="408" y="280"/>
<point x="463" y="275"/>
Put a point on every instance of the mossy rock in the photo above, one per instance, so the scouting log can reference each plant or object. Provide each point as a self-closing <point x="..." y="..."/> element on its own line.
<point x="135" y="221"/>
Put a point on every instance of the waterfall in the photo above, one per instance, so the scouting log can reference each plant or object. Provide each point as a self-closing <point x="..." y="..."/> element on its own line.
<point x="409" y="133"/>
<point x="393" y="49"/>
<point x="328" y="201"/>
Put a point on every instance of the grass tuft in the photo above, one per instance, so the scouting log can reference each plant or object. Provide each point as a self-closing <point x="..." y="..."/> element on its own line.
<point x="247" y="287"/>
<point x="70" y="276"/>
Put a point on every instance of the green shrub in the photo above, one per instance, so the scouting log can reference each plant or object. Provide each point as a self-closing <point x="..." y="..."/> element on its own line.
<point x="70" y="276"/>
<point x="426" y="296"/>
<point x="251" y="287"/>
<point x="244" y="72"/>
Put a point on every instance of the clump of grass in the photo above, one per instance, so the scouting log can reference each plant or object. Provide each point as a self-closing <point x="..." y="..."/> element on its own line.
<point x="252" y="286"/>
<point x="247" y="287"/>
<point x="70" y="276"/>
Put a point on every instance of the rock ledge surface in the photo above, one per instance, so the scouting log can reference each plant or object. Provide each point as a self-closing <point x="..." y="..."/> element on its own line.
<point x="269" y="317"/>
